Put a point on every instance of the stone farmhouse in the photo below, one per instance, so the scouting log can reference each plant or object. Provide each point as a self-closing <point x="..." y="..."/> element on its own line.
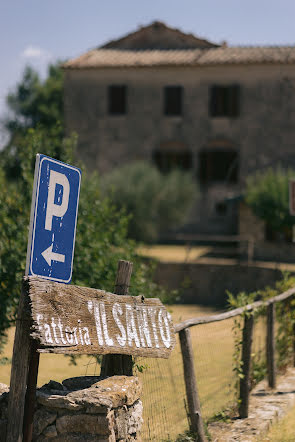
<point x="176" y="100"/>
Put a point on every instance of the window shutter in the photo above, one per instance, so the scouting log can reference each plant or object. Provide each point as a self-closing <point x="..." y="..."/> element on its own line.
<point x="213" y="101"/>
<point x="234" y="100"/>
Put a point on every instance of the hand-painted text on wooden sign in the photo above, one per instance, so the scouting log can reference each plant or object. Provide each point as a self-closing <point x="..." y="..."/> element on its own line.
<point x="72" y="319"/>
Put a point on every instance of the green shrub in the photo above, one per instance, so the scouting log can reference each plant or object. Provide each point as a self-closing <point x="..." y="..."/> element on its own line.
<point x="156" y="203"/>
<point x="267" y="193"/>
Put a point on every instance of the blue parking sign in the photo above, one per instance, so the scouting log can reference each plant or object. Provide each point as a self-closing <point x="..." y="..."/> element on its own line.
<point x="53" y="219"/>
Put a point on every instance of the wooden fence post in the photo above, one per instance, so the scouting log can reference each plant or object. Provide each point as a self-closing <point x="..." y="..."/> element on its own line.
<point x="270" y="346"/>
<point x="246" y="365"/>
<point x="19" y="371"/>
<point x="31" y="392"/>
<point x="191" y="385"/>
<point x="119" y="364"/>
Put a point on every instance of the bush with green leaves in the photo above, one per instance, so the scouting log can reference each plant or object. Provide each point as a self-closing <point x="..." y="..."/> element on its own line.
<point x="101" y="238"/>
<point x="267" y="193"/>
<point x="284" y="334"/>
<point x="156" y="203"/>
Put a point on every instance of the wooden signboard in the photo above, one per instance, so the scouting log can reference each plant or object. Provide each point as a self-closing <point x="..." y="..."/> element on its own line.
<point x="72" y="319"/>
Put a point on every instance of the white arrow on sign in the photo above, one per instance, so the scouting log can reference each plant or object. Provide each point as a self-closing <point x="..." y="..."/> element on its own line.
<point x="49" y="256"/>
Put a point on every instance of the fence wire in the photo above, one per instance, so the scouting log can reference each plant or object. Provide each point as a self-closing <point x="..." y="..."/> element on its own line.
<point x="258" y="359"/>
<point x="213" y="346"/>
<point x="164" y="398"/>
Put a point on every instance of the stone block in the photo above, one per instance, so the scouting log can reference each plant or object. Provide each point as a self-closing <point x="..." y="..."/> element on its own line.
<point x="42" y="418"/>
<point x="121" y="390"/>
<point x="50" y="431"/>
<point x="57" y="401"/>
<point x="80" y="382"/>
<point x="85" y="423"/>
<point x="128" y="420"/>
<point x="77" y="437"/>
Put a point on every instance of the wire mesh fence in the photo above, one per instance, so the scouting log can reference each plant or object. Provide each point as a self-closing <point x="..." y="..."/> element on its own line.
<point x="164" y="398"/>
<point x="216" y="350"/>
<point x="213" y="347"/>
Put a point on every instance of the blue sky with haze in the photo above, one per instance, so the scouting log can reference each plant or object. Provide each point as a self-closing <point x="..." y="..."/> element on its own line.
<point x="37" y="32"/>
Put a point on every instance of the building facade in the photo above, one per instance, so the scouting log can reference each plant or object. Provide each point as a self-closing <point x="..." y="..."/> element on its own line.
<point x="160" y="95"/>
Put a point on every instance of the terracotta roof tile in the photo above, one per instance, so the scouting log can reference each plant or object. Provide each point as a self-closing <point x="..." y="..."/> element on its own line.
<point x="100" y="58"/>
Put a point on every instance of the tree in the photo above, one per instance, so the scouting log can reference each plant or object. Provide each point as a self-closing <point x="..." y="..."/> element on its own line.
<point x="156" y="203"/>
<point x="267" y="193"/>
<point x="34" y="104"/>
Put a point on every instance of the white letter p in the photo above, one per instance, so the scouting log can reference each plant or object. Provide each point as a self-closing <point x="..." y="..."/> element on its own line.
<point x="52" y="208"/>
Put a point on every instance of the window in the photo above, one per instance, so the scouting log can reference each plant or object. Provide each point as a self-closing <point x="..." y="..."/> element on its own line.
<point x="224" y="101"/>
<point x="218" y="166"/>
<point x="173" y="100"/>
<point x="117" y="100"/>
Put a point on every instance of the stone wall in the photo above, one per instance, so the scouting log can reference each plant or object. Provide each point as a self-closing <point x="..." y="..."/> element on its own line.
<point x="274" y="251"/>
<point x="262" y="135"/>
<point x="249" y="224"/>
<point x="206" y="284"/>
<point x="84" y="409"/>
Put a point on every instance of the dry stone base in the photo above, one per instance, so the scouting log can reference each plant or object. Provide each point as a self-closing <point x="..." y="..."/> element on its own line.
<point x="266" y="406"/>
<point x="84" y="409"/>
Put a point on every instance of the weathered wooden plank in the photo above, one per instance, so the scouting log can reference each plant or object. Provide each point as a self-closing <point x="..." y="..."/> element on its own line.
<point x="232" y="313"/>
<point x="81" y="320"/>
<point x="117" y="365"/>
<point x="246" y="366"/>
<point x="31" y="392"/>
<point x="19" y="371"/>
<point x="196" y="421"/>
<point x="270" y="346"/>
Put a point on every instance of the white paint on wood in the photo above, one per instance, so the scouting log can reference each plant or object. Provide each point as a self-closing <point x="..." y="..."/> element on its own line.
<point x="70" y="319"/>
<point x="117" y="310"/>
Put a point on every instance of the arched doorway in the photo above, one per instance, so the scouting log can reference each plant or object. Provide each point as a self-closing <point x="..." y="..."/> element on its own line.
<point x="173" y="155"/>
<point x="219" y="163"/>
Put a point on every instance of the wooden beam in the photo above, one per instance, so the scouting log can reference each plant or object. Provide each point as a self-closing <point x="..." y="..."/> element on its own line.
<point x="232" y="313"/>
<point x="193" y="401"/>
<point x="246" y="365"/>
<point x="31" y="392"/>
<point x="119" y="364"/>
<point x="19" y="371"/>
<point x="270" y="346"/>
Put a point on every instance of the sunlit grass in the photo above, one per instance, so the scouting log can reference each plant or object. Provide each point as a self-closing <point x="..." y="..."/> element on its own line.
<point x="283" y="431"/>
<point x="167" y="253"/>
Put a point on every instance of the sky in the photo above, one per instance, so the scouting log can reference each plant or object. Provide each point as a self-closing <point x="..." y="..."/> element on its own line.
<point x="35" y="33"/>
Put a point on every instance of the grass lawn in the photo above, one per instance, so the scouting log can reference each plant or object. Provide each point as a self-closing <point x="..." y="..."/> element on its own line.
<point x="167" y="253"/>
